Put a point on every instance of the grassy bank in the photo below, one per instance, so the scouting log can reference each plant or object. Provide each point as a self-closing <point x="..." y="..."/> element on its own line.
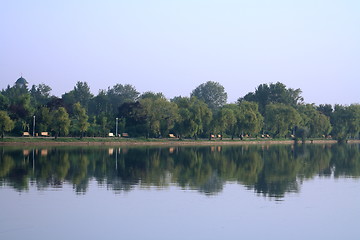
<point x="144" y="141"/>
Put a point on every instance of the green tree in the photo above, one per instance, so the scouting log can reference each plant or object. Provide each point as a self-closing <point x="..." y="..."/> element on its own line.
<point x="160" y="115"/>
<point x="226" y="119"/>
<point x="321" y="125"/>
<point x="235" y="128"/>
<point x="249" y="119"/>
<point x="120" y="94"/>
<point x="104" y="126"/>
<point x="61" y="122"/>
<point x="6" y="124"/>
<point x="81" y="119"/>
<point x="184" y="126"/>
<point x="325" y="109"/>
<point x="100" y="104"/>
<point x="18" y="101"/>
<point x="4" y="102"/>
<point x="346" y="121"/>
<point x="195" y="117"/>
<point x="212" y="93"/>
<point x="152" y="95"/>
<point x="169" y="115"/>
<point x="354" y="121"/>
<point x="40" y="94"/>
<point x="44" y="119"/>
<point x="93" y="127"/>
<point x="81" y="93"/>
<point x="273" y="93"/>
<point x="280" y="119"/>
<point x="313" y="122"/>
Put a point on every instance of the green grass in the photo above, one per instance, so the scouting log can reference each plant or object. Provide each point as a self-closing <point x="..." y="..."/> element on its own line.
<point x="67" y="139"/>
<point x="140" y="139"/>
<point x="112" y="139"/>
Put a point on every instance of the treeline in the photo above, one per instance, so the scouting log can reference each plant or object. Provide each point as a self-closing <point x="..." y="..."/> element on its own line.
<point x="271" y="110"/>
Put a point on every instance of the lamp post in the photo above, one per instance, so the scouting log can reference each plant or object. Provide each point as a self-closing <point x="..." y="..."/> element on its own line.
<point x="34" y="126"/>
<point x="116" y="131"/>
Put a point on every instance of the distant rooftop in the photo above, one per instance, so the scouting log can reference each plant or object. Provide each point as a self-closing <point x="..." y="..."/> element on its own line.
<point x="21" y="81"/>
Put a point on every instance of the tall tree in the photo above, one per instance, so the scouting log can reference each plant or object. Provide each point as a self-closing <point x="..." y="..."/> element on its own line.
<point x="4" y="102"/>
<point x="21" y="107"/>
<point x="273" y="93"/>
<point x="61" y="122"/>
<point x="44" y="119"/>
<point x="81" y="93"/>
<point x="313" y="122"/>
<point x="325" y="109"/>
<point x="18" y="100"/>
<point x="40" y="94"/>
<point x="152" y="95"/>
<point x="226" y="119"/>
<point x="280" y="119"/>
<point x="346" y="121"/>
<point x="6" y="124"/>
<point x="120" y="94"/>
<point x="321" y="125"/>
<point x="235" y="128"/>
<point x="100" y="104"/>
<point x="160" y="115"/>
<point x="81" y="119"/>
<point x="212" y="93"/>
<point x="249" y="119"/>
<point x="195" y="117"/>
<point x="354" y="121"/>
<point x="135" y="118"/>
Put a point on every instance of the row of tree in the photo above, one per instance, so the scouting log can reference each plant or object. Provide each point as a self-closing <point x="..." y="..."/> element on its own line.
<point x="272" y="109"/>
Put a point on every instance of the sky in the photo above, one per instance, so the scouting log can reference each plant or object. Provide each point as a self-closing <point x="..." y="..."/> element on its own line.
<point x="173" y="46"/>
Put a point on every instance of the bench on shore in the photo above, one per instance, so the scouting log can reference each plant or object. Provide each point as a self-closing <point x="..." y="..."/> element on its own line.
<point x="172" y="135"/>
<point x="26" y="134"/>
<point x="125" y="135"/>
<point x="110" y="134"/>
<point x="44" y="134"/>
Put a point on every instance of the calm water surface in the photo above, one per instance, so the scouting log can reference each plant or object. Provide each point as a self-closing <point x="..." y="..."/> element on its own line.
<point x="221" y="192"/>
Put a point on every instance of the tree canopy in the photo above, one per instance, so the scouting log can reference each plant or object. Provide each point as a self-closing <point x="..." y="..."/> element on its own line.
<point x="212" y="93"/>
<point x="272" y="109"/>
<point x="6" y="124"/>
<point x="273" y="93"/>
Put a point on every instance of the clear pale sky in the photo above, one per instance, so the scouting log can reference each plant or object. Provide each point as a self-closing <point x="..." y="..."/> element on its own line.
<point x="173" y="46"/>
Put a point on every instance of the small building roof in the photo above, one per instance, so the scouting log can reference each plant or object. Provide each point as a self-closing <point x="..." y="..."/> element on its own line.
<point x="21" y="81"/>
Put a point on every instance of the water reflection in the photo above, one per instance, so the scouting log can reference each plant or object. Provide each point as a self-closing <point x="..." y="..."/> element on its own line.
<point x="271" y="171"/>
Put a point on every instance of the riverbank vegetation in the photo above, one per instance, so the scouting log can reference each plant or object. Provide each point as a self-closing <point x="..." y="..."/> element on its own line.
<point x="271" y="111"/>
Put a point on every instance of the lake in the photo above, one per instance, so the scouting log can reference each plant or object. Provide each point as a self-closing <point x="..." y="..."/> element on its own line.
<point x="307" y="191"/>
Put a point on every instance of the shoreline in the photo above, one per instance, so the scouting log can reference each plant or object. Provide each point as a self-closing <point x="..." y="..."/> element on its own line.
<point x="135" y="142"/>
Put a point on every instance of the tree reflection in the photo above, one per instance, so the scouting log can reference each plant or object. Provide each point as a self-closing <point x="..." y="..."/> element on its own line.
<point x="271" y="171"/>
